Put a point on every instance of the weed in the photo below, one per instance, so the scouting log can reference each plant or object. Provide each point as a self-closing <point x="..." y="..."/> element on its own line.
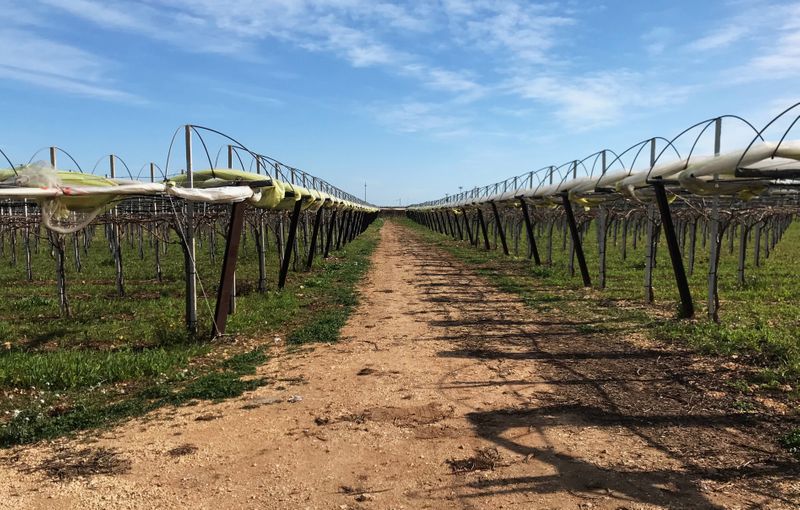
<point x="791" y="442"/>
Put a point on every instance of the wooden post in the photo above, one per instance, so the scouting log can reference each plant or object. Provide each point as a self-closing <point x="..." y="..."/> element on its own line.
<point x="744" y="231"/>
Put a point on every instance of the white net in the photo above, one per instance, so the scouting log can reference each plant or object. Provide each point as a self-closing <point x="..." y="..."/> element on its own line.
<point x="62" y="214"/>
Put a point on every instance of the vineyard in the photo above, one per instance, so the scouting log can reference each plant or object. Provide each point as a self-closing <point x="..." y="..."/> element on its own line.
<point x="618" y="331"/>
<point x="102" y="277"/>
<point x="691" y="224"/>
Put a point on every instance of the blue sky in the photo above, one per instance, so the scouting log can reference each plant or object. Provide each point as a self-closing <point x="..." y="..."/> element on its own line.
<point x="414" y="98"/>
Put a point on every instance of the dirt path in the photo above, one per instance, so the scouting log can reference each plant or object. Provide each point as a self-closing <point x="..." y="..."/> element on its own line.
<point x="444" y="393"/>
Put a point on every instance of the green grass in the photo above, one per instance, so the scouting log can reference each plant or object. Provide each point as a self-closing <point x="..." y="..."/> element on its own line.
<point x="120" y="357"/>
<point x="98" y="408"/>
<point x="62" y="370"/>
<point x="760" y="320"/>
<point x="791" y="442"/>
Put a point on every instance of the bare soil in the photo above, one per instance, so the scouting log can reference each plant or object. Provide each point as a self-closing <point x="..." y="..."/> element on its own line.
<point x="443" y="393"/>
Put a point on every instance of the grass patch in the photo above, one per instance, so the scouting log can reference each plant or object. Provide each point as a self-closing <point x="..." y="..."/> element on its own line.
<point x="791" y="442"/>
<point x="62" y="370"/>
<point x="759" y="319"/>
<point x="123" y="357"/>
<point x="217" y="386"/>
<point x="323" y="329"/>
<point x="97" y="408"/>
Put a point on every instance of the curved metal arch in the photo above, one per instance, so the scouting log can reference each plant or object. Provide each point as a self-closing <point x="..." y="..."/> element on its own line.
<point x="125" y="165"/>
<point x="139" y="173"/>
<point x="9" y="162"/>
<point x="59" y="149"/>
<point x="596" y="155"/>
<point x="195" y="128"/>
<point x="759" y="134"/>
<point x="619" y="156"/>
<point x="130" y="175"/>
<point x="205" y="148"/>
<point x="706" y="124"/>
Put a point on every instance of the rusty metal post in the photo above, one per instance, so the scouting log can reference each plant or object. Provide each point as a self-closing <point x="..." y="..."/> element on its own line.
<point x="499" y="226"/>
<point x="687" y="307"/>
<point x="287" y="254"/>
<point x="576" y="239"/>
<point x="329" y="237"/>
<point x="532" y="250"/>
<point x="226" y="281"/>
<point x="482" y="223"/>
<point x="314" y="234"/>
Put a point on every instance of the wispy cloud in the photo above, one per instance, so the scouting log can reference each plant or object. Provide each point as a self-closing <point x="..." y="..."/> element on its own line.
<point x="657" y="40"/>
<point x="420" y="117"/>
<point x="598" y="99"/>
<point x="721" y="37"/>
<point x="781" y="58"/>
<point x="523" y="31"/>
<point x="66" y="68"/>
<point x="249" y="96"/>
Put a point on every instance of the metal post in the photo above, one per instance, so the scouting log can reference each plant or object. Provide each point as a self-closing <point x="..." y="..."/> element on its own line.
<point x="287" y="254"/>
<point x="532" y="250"/>
<point x="483" y="229"/>
<point x="602" y="227"/>
<point x="602" y="230"/>
<point x="499" y="226"/>
<point x="314" y="234"/>
<point x="576" y="239"/>
<point x="120" y="279"/>
<point x="228" y="268"/>
<point x="232" y="305"/>
<point x="450" y="223"/>
<point x="188" y="242"/>
<point x="458" y="226"/>
<point x="347" y="226"/>
<point x="687" y="307"/>
<point x="342" y="224"/>
<point x="329" y="237"/>
<point x="650" y="248"/>
<point x="467" y="227"/>
<point x="715" y="238"/>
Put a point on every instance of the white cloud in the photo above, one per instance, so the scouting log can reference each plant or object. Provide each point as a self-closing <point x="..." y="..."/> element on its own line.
<point x="657" y="40"/>
<point x="596" y="99"/>
<point x="722" y="37"/>
<point x="249" y="96"/>
<point x="416" y="117"/>
<point x="518" y="30"/>
<point x="781" y="58"/>
<point x="46" y="63"/>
